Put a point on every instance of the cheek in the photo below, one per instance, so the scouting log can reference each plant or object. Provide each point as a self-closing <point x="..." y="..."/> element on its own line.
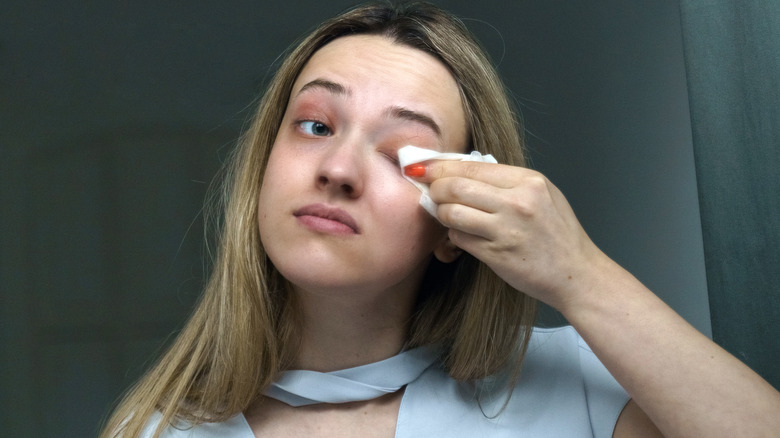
<point x="267" y="188"/>
<point x="272" y="190"/>
<point x="403" y="215"/>
<point x="276" y="170"/>
<point x="398" y="198"/>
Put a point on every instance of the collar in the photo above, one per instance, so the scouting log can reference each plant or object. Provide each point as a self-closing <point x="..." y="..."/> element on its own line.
<point x="366" y="382"/>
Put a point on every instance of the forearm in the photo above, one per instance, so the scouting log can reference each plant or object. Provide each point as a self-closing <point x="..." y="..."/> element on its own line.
<point x="518" y="223"/>
<point x="686" y="384"/>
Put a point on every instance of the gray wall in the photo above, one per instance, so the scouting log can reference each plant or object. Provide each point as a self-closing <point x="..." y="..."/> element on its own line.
<point x="115" y="116"/>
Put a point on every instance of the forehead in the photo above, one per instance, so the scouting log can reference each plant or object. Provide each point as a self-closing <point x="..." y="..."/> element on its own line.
<point x="379" y="73"/>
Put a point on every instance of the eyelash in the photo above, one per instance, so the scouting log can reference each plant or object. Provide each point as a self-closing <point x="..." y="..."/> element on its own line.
<point x="392" y="157"/>
<point x="306" y="125"/>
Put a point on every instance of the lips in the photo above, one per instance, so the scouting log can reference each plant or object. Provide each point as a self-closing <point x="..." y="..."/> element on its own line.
<point x="328" y="219"/>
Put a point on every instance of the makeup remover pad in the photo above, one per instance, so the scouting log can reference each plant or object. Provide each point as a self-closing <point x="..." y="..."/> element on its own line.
<point x="411" y="155"/>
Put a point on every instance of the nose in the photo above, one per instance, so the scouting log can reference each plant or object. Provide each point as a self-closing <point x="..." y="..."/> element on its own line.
<point x="341" y="169"/>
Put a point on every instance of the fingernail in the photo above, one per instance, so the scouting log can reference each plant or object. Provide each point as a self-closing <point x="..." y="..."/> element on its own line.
<point x="415" y="170"/>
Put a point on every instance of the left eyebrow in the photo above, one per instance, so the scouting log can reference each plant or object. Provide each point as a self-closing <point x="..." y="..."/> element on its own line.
<point x="332" y="87"/>
<point x="399" y="112"/>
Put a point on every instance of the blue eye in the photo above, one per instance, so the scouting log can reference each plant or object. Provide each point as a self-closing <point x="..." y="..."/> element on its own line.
<point x="314" y="128"/>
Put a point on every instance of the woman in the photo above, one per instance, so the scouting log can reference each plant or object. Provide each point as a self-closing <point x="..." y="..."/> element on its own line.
<point x="328" y="266"/>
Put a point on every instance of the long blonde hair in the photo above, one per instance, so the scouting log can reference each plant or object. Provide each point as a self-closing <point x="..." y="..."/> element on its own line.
<point x="243" y="331"/>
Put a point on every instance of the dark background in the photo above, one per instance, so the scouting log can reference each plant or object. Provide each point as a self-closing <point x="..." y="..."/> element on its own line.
<point x="115" y="116"/>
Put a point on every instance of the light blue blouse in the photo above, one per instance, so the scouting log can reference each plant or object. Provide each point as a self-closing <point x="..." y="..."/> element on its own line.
<point x="563" y="391"/>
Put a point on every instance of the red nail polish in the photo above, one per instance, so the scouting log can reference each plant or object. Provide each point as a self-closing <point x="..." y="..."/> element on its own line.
<point x="415" y="170"/>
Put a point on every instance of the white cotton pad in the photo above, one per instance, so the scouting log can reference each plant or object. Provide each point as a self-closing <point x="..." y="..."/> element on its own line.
<point x="411" y="154"/>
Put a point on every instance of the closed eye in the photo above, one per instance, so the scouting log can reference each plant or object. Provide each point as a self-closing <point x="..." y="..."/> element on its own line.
<point x="392" y="157"/>
<point x="314" y="128"/>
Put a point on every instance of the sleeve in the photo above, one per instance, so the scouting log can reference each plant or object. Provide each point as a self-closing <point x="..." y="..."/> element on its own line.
<point x="605" y="397"/>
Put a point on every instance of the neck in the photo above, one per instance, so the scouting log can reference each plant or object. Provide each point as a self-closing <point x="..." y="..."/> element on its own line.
<point x="344" y="331"/>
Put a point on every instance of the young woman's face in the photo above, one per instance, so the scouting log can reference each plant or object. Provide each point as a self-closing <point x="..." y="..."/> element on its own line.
<point x="335" y="214"/>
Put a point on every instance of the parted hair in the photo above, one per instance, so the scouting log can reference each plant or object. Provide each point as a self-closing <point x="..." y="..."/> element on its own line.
<point x="242" y="332"/>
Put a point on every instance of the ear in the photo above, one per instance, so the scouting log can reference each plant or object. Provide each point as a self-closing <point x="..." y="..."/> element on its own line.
<point x="447" y="252"/>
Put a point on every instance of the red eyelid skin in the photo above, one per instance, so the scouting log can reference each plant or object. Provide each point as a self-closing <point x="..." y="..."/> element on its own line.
<point x="390" y="154"/>
<point x="314" y="110"/>
<point x="393" y="132"/>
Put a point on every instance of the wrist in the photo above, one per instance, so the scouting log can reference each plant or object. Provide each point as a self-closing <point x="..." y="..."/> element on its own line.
<point x="598" y="288"/>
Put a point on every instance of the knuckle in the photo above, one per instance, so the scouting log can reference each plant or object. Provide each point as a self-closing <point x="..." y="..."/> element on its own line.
<point x="445" y="214"/>
<point x="523" y="206"/>
<point x="530" y="196"/>
<point x="537" y="183"/>
<point x="452" y="215"/>
<point x="435" y="172"/>
<point x="471" y="170"/>
<point x="460" y="188"/>
<point x="511" y="240"/>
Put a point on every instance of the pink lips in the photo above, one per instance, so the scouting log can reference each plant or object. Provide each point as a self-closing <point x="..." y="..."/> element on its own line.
<point x="326" y="219"/>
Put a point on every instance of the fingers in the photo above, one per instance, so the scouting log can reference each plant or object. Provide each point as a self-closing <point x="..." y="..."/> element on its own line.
<point x="469" y="243"/>
<point x="491" y="205"/>
<point x="487" y="187"/>
<point x="465" y="219"/>
<point x="472" y="193"/>
<point x="480" y="198"/>
<point x="514" y="220"/>
<point x="497" y="175"/>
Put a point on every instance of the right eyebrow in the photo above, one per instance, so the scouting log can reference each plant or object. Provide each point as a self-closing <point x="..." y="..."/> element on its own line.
<point x="330" y="86"/>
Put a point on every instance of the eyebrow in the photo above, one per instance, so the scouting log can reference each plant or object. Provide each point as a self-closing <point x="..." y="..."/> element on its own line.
<point x="414" y="116"/>
<point x="396" y="112"/>
<point x="330" y="86"/>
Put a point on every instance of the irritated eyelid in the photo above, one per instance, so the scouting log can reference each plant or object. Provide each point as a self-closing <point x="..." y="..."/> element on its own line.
<point x="393" y="157"/>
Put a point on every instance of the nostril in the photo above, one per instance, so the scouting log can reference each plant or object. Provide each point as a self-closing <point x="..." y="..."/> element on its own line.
<point x="346" y="188"/>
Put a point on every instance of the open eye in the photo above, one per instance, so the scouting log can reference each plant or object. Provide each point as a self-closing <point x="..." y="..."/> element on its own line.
<point x="315" y="128"/>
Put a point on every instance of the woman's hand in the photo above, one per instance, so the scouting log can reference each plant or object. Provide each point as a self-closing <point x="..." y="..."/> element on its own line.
<point x="518" y="223"/>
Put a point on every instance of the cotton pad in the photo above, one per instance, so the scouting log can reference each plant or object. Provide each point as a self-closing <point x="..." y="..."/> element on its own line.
<point x="411" y="155"/>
